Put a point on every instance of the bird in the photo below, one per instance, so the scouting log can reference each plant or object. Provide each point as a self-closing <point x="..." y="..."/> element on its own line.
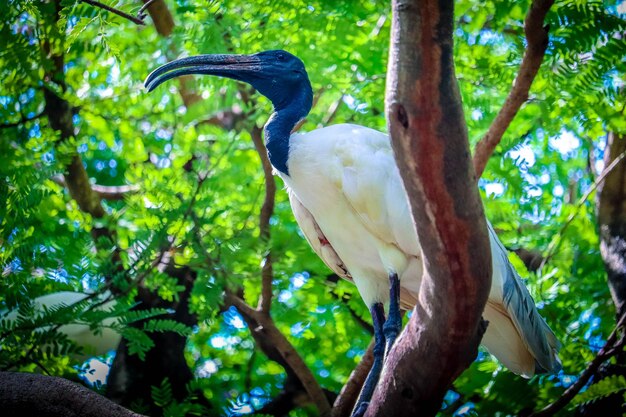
<point x="347" y="196"/>
<point x="93" y="343"/>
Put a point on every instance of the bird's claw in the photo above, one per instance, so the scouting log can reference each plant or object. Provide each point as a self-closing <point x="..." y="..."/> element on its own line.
<point x="360" y="409"/>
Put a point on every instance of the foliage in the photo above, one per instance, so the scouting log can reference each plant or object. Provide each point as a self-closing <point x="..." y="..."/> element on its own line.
<point x="610" y="385"/>
<point x="201" y="185"/>
<point x="163" y="397"/>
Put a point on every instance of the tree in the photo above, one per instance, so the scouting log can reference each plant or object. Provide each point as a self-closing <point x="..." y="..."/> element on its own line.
<point x="164" y="199"/>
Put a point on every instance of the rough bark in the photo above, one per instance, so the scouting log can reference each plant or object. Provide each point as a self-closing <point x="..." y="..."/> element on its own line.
<point x="60" y="115"/>
<point x="611" y="206"/>
<point x="611" y="211"/>
<point x="537" y="38"/>
<point x="429" y="138"/>
<point x="39" y="395"/>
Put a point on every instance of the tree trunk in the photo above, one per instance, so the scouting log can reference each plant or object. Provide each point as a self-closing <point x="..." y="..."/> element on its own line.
<point x="429" y="137"/>
<point x="611" y="209"/>
<point x="611" y="205"/>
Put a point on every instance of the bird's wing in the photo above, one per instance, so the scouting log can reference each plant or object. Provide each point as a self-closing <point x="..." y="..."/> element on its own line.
<point x="516" y="302"/>
<point x="316" y="238"/>
<point x="371" y="183"/>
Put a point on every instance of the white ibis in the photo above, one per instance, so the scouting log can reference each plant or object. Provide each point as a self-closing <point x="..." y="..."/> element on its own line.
<point x="347" y="196"/>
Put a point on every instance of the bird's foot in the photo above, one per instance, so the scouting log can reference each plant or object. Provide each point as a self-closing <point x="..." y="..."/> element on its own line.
<point x="384" y="337"/>
<point x="360" y="409"/>
<point x="378" y="317"/>
<point x="393" y="324"/>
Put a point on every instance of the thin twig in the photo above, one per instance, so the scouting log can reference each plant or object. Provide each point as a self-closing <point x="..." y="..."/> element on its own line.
<point x="605" y="353"/>
<point x="559" y="236"/>
<point x="537" y="37"/>
<point x="120" y="13"/>
<point x="332" y="111"/>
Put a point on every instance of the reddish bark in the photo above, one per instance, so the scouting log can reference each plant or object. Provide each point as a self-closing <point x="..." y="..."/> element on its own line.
<point x="429" y="137"/>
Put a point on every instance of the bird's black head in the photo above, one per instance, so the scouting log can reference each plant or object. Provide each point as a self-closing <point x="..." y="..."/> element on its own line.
<point x="278" y="75"/>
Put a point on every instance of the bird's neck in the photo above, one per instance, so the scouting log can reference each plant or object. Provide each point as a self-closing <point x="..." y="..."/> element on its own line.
<point x="279" y="127"/>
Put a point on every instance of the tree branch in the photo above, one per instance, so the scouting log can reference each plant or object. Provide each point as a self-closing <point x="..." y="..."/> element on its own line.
<point x="120" y="13"/>
<point x="267" y="209"/>
<point x="537" y="37"/>
<point x="33" y="394"/>
<point x="272" y="341"/>
<point x="105" y="192"/>
<point x="344" y="404"/>
<point x="609" y="349"/>
<point x="60" y="114"/>
<point x="429" y="138"/>
<point x="611" y="209"/>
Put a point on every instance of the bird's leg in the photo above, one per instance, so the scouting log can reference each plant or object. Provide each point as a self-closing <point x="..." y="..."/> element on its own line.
<point x="393" y="325"/>
<point x="378" y="318"/>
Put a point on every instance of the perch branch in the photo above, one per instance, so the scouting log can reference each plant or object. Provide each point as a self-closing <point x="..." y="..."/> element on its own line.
<point x="429" y="138"/>
<point x="34" y="394"/>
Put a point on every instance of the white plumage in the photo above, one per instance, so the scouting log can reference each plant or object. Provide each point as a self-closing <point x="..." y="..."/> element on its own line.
<point x="347" y="196"/>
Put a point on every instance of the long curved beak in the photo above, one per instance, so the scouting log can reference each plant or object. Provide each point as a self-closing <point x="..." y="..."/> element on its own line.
<point x="239" y="67"/>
